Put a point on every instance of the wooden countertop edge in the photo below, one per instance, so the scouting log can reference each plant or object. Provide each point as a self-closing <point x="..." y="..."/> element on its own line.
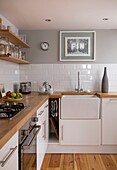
<point x="98" y="94"/>
<point x="55" y="95"/>
<point x="107" y="95"/>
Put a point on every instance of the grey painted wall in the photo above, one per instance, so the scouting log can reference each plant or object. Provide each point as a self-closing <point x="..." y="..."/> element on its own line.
<point x="106" y="46"/>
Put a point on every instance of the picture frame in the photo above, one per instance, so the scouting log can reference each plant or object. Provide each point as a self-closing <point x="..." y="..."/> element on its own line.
<point x="77" y="45"/>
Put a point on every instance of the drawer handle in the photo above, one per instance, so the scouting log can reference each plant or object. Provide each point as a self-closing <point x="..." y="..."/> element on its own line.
<point x="46" y="106"/>
<point x="40" y="113"/>
<point x="62" y="132"/>
<point x="12" y="150"/>
<point x="44" y="124"/>
<point x="113" y="100"/>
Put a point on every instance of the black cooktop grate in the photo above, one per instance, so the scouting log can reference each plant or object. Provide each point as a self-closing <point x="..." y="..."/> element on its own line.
<point x="9" y="110"/>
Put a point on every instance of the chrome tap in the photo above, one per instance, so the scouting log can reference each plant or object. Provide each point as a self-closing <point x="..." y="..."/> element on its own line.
<point x="79" y="89"/>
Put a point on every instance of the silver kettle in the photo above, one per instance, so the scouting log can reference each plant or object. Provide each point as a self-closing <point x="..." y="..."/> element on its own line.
<point x="47" y="86"/>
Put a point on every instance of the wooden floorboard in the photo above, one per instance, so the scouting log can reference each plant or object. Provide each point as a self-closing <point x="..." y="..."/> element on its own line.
<point x="80" y="162"/>
<point x="108" y="162"/>
<point x="29" y="162"/>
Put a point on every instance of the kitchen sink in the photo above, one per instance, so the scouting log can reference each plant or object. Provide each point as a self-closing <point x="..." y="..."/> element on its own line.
<point x="79" y="96"/>
<point x="80" y="107"/>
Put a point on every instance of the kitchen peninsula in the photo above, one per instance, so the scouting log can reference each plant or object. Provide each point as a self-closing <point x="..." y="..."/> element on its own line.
<point x="33" y="101"/>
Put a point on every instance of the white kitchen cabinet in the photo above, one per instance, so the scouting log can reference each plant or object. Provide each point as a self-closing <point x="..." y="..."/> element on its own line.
<point x="9" y="154"/>
<point x="80" y="107"/>
<point x="80" y="132"/>
<point x="109" y="121"/>
<point x="42" y="137"/>
<point x="79" y="120"/>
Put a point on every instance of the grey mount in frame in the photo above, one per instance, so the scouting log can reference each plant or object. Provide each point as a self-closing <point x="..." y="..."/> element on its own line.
<point x="77" y="45"/>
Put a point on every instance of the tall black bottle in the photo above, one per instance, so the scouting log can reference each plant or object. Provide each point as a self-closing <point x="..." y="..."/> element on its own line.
<point x="105" y="82"/>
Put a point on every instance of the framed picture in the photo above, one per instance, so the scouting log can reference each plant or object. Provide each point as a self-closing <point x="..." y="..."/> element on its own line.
<point x="77" y="45"/>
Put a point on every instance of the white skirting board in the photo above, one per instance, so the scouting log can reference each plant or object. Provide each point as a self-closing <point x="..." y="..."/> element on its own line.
<point x="57" y="148"/>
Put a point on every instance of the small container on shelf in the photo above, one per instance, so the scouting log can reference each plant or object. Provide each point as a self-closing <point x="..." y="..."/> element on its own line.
<point x="15" y="51"/>
<point x="19" y="53"/>
<point x="9" y="28"/>
<point x="22" y="37"/>
<point x="7" y="49"/>
<point x="2" y="49"/>
<point x="23" y="55"/>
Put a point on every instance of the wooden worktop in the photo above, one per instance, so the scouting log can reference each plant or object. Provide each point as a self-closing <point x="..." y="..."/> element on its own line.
<point x="55" y="95"/>
<point x="77" y="93"/>
<point x="107" y="95"/>
<point x="99" y="94"/>
<point x="9" y="127"/>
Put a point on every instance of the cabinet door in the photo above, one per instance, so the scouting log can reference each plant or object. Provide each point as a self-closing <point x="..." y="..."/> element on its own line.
<point x="80" y="132"/>
<point x="9" y="154"/>
<point x="40" y="149"/>
<point x="109" y="121"/>
<point x="42" y="115"/>
<point x="42" y="137"/>
<point x="46" y="125"/>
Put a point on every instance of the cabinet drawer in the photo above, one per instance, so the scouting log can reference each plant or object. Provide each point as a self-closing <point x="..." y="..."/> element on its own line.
<point x="109" y="121"/>
<point x="9" y="154"/>
<point x="42" y="111"/>
<point x="80" y="132"/>
<point x="109" y="105"/>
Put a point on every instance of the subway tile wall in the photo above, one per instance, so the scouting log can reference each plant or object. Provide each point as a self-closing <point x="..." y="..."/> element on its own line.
<point x="64" y="76"/>
<point x="9" y="74"/>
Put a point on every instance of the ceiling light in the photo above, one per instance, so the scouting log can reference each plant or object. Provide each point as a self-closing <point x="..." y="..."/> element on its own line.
<point x="48" y="20"/>
<point x="105" y="19"/>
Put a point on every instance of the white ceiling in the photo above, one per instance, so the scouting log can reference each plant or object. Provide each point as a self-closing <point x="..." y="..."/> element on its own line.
<point x="65" y="14"/>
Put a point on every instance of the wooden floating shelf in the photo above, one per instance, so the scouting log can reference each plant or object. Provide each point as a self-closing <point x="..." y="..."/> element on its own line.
<point x="13" y="59"/>
<point x="13" y="38"/>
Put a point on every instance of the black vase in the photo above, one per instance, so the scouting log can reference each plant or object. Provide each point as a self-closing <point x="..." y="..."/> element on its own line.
<point x="105" y="81"/>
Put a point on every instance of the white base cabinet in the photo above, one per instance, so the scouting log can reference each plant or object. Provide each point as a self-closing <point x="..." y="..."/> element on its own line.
<point x="42" y="137"/>
<point x="109" y="121"/>
<point x="80" y="132"/>
<point x="9" y="154"/>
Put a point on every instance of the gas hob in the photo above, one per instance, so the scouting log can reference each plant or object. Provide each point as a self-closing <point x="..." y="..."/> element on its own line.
<point x="9" y="110"/>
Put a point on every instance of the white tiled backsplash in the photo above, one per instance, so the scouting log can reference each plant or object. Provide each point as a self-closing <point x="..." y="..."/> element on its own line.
<point x="9" y="74"/>
<point x="60" y="76"/>
<point x="64" y="76"/>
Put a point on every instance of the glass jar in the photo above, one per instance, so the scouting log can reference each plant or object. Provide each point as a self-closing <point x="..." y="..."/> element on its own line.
<point x="2" y="49"/>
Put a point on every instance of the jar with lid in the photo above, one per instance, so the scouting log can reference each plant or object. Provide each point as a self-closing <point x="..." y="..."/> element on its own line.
<point x="19" y="53"/>
<point x="7" y="49"/>
<point x="23" y="55"/>
<point x="2" y="49"/>
<point x="15" y="51"/>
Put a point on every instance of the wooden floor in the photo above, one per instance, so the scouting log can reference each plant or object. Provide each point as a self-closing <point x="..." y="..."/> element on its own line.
<point x="29" y="162"/>
<point x="79" y="162"/>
